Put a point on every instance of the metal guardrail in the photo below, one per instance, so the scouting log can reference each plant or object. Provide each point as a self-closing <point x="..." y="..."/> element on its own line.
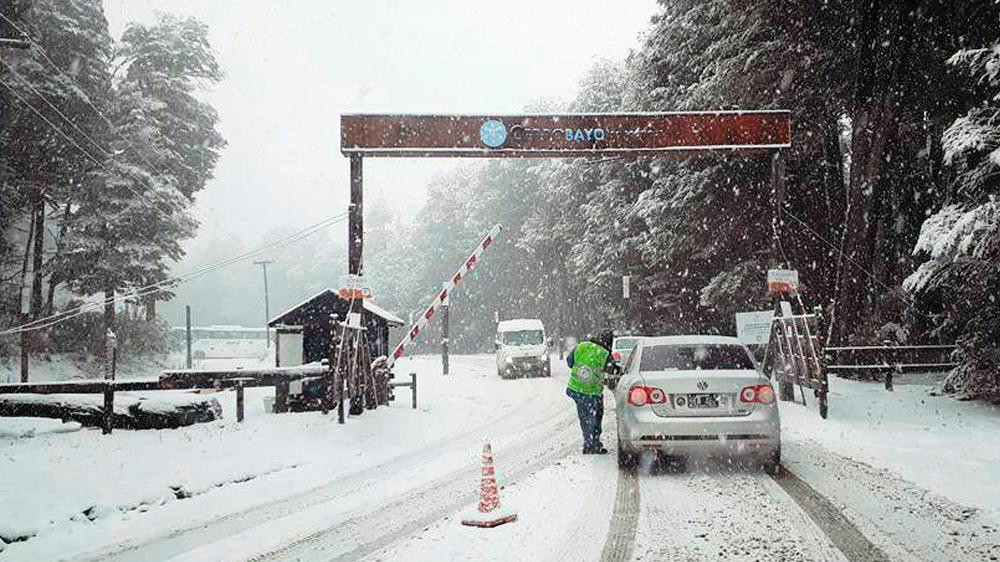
<point x="891" y="360"/>
<point x="413" y="387"/>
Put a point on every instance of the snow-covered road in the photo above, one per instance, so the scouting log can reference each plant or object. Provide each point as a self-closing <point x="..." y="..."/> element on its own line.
<point x="389" y="485"/>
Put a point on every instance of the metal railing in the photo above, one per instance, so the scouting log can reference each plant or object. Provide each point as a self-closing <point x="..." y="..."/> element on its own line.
<point x="890" y="360"/>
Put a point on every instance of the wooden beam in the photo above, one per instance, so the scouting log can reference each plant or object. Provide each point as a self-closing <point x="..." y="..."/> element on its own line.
<point x="567" y="135"/>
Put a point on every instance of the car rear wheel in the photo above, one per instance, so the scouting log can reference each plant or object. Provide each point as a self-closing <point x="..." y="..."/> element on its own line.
<point x="773" y="462"/>
<point x="627" y="460"/>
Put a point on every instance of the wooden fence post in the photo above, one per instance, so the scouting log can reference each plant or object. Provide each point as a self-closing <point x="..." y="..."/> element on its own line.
<point x="109" y="408"/>
<point x="239" y="401"/>
<point x="338" y="380"/>
<point x="281" y="397"/>
<point x="889" y="367"/>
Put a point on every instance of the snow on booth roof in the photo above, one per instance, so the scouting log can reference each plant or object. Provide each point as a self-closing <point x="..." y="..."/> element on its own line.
<point x="285" y="318"/>
<point x="519" y="325"/>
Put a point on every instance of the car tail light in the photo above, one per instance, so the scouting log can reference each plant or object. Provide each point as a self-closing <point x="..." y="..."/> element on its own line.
<point x="765" y="394"/>
<point x="616" y="356"/>
<point x="757" y="394"/>
<point x="643" y="395"/>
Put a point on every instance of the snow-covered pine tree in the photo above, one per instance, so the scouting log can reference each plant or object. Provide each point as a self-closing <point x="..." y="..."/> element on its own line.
<point x="134" y="213"/>
<point x="962" y="240"/>
<point x="64" y="71"/>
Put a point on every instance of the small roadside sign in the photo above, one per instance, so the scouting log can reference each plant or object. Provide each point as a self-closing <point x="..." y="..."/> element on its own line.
<point x="782" y="280"/>
<point x="626" y="279"/>
<point x="754" y="328"/>
<point x="786" y="309"/>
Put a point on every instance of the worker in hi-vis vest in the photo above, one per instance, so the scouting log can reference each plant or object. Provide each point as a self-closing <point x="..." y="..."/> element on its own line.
<point x="588" y="362"/>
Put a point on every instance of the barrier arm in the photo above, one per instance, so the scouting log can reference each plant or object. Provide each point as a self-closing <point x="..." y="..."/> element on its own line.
<point x="429" y="312"/>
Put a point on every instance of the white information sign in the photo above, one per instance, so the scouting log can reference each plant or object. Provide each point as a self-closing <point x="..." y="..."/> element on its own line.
<point x="782" y="280"/>
<point x="626" y="279"/>
<point x="754" y="328"/>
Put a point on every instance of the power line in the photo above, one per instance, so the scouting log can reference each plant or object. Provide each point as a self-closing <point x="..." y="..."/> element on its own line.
<point x="56" y="109"/>
<point x="79" y="92"/>
<point x="57" y="318"/>
<point x="80" y="148"/>
<point x="156" y="287"/>
<point x="892" y="290"/>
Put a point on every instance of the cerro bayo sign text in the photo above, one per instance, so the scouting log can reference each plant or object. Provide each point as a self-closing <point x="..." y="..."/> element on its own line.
<point x="595" y="134"/>
<point x="563" y="135"/>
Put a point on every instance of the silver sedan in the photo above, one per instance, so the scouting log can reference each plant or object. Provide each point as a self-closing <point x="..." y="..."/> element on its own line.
<point x="696" y="395"/>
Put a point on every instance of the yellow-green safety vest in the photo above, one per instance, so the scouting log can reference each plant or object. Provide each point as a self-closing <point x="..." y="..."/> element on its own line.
<point x="587" y="374"/>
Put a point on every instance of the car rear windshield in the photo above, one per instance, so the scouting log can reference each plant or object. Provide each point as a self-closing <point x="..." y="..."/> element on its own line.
<point x="523" y="337"/>
<point x="687" y="357"/>
<point x="625" y="343"/>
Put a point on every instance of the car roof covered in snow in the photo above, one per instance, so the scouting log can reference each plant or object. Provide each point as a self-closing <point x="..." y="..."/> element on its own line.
<point x="520" y="324"/>
<point x="689" y="340"/>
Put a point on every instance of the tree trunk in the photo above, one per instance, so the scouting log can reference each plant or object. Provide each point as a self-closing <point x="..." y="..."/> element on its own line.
<point x="150" y="303"/>
<point x="887" y="35"/>
<point x="53" y="281"/>
<point x="109" y="312"/>
<point x="38" y="251"/>
<point x="24" y="264"/>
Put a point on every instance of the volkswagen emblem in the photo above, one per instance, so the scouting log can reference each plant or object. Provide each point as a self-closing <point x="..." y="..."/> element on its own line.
<point x="702" y="385"/>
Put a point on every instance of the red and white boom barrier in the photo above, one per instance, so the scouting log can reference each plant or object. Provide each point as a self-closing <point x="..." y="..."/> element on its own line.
<point x="425" y="318"/>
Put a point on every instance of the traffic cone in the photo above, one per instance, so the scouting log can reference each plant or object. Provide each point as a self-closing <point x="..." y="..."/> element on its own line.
<point x="488" y="513"/>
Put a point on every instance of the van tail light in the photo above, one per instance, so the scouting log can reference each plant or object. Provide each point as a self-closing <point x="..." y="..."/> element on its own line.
<point x="757" y="394"/>
<point x="616" y="356"/>
<point x="644" y="395"/>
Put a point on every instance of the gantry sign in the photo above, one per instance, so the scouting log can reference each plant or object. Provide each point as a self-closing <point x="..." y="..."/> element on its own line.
<point x="551" y="136"/>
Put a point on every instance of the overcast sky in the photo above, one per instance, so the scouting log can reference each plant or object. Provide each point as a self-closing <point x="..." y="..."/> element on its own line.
<point x="294" y="66"/>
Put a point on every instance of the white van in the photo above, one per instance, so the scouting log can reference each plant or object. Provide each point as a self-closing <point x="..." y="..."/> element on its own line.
<point x="522" y="349"/>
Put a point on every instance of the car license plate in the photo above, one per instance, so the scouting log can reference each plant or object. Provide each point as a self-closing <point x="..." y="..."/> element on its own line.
<point x="703" y="400"/>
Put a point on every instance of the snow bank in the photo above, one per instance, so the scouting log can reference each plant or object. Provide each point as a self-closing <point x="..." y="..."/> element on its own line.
<point x="939" y="443"/>
<point x="131" y="411"/>
<point x="15" y="428"/>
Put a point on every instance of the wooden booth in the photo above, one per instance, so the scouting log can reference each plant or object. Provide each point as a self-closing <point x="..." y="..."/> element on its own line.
<point x="303" y="332"/>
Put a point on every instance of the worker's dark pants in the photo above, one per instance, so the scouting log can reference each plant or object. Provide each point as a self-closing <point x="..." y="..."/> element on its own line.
<point x="590" y="410"/>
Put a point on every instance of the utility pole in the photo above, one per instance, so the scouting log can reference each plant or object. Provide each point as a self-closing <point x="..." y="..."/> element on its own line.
<point x="267" y="306"/>
<point x="21" y="44"/>
<point x="355" y="221"/>
<point x="445" y="306"/>
<point x="187" y="334"/>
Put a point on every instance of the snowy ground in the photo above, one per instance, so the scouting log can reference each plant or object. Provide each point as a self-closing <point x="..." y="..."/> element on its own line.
<point x="909" y="471"/>
<point x="938" y="443"/>
<point x="99" y="489"/>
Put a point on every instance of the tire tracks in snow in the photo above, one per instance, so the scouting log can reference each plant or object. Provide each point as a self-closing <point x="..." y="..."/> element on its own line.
<point x="378" y="526"/>
<point x="841" y="532"/>
<point x="624" y="519"/>
<point x="185" y="539"/>
<point x="903" y="520"/>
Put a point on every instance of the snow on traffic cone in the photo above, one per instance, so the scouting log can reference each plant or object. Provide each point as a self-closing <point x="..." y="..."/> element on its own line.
<point x="488" y="513"/>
